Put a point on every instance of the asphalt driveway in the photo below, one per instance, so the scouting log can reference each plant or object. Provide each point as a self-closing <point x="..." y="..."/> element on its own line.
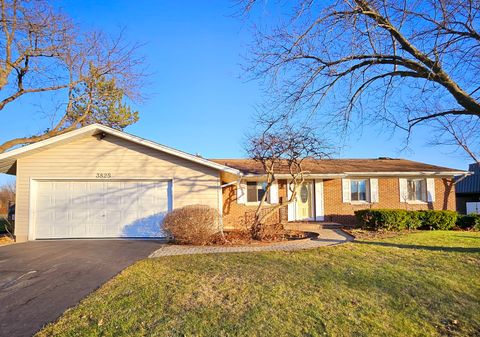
<point x="39" y="280"/>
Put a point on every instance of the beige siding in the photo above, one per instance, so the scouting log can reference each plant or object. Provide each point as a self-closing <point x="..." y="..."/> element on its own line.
<point x="192" y="183"/>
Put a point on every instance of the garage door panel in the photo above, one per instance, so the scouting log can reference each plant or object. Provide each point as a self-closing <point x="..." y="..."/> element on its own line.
<point x="89" y="209"/>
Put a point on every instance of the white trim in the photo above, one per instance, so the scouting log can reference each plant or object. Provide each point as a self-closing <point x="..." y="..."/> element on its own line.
<point x="256" y="177"/>
<point x="360" y="202"/>
<point x="319" y="203"/>
<point x="91" y="129"/>
<point x="291" y="207"/>
<point x="32" y="205"/>
<point x="33" y="182"/>
<point x="397" y="173"/>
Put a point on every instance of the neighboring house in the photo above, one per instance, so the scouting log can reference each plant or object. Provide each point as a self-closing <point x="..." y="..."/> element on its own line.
<point x="97" y="182"/>
<point x="467" y="190"/>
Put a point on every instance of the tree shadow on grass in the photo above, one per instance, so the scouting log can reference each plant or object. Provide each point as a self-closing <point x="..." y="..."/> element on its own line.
<point x="431" y="248"/>
<point x="468" y="237"/>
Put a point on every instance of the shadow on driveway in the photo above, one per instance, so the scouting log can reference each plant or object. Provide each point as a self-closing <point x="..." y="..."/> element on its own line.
<point x="39" y="280"/>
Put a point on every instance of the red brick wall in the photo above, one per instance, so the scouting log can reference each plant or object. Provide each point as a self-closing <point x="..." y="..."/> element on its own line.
<point x="389" y="197"/>
<point x="240" y="216"/>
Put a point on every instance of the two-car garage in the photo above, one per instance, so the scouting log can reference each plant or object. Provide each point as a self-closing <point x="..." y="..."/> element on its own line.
<point x="97" y="182"/>
<point x="99" y="209"/>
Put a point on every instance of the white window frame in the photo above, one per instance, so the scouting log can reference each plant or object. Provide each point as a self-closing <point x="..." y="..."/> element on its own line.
<point x="424" y="192"/>
<point x="367" y="191"/>
<point x="259" y="185"/>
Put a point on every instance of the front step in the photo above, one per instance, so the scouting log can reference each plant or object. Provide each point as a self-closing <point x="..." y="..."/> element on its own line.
<point x="305" y="225"/>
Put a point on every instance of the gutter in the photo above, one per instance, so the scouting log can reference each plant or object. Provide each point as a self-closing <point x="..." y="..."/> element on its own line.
<point x="254" y="177"/>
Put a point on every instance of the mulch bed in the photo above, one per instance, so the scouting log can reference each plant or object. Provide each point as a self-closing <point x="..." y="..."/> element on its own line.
<point x="243" y="237"/>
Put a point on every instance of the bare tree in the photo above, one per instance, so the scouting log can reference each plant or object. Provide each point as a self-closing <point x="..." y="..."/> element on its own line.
<point x="459" y="132"/>
<point x="7" y="196"/>
<point x="279" y="145"/>
<point x="89" y="74"/>
<point x="406" y="63"/>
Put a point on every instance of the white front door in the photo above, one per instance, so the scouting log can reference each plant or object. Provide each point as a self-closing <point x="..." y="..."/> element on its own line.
<point x="305" y="201"/>
<point x="303" y="206"/>
<point x="100" y="209"/>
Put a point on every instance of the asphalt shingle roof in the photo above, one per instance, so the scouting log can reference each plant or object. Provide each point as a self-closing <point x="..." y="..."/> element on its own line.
<point x="338" y="166"/>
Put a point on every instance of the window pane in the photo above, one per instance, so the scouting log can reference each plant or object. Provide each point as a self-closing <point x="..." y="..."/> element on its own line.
<point x="416" y="189"/>
<point x="362" y="190"/>
<point x="411" y="189"/>
<point x="260" y="193"/>
<point x="359" y="190"/>
<point x="354" y="190"/>
<point x="421" y="190"/>
<point x="262" y="187"/>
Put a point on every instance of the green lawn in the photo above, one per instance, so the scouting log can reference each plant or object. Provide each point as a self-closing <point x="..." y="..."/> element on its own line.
<point x="421" y="284"/>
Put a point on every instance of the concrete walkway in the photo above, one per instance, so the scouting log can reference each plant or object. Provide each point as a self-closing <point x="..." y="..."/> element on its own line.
<point x="326" y="237"/>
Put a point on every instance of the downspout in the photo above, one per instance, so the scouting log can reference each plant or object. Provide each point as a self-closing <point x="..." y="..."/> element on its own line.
<point x="462" y="177"/>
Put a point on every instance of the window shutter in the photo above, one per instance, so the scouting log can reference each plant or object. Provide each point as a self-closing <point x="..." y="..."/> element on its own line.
<point x="430" y="189"/>
<point x="346" y="193"/>
<point x="274" y="193"/>
<point x="373" y="190"/>
<point x="403" y="189"/>
<point x="241" y="193"/>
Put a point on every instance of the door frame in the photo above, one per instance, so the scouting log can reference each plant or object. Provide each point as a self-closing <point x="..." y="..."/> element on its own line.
<point x="33" y="186"/>
<point x="316" y="202"/>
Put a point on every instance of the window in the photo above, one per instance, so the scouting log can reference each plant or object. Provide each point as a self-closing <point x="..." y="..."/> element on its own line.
<point x="417" y="190"/>
<point x="358" y="188"/>
<point x="255" y="191"/>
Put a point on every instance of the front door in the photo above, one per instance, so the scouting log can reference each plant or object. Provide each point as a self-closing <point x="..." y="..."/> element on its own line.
<point x="304" y="201"/>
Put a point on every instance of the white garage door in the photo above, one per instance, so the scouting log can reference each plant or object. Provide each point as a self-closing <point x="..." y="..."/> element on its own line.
<point x="101" y="209"/>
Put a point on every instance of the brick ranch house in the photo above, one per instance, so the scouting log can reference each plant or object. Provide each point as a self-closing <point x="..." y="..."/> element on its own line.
<point x="97" y="182"/>
<point x="335" y="188"/>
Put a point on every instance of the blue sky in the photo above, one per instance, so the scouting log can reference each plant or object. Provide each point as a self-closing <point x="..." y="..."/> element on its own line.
<point x="199" y="100"/>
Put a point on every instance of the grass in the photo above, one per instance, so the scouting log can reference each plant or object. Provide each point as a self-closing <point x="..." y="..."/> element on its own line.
<point x="421" y="284"/>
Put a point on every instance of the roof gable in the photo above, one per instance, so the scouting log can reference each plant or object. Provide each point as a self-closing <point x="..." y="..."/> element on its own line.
<point x="8" y="159"/>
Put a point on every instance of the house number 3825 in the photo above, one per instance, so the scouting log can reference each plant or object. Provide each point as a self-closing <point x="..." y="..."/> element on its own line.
<point x="103" y="175"/>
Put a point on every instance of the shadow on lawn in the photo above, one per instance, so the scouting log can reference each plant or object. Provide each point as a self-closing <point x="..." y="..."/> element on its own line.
<point x="432" y="248"/>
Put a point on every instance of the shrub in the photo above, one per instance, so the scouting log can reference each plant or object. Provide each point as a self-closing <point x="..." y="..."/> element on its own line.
<point x="397" y="219"/>
<point x="193" y="225"/>
<point x="470" y="221"/>
<point x="5" y="225"/>
<point x="387" y="219"/>
<point x="442" y="220"/>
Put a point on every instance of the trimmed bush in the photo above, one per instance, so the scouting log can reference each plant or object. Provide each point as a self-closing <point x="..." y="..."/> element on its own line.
<point x="193" y="225"/>
<point x="470" y="221"/>
<point x="442" y="220"/>
<point x="387" y="219"/>
<point x="397" y="219"/>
